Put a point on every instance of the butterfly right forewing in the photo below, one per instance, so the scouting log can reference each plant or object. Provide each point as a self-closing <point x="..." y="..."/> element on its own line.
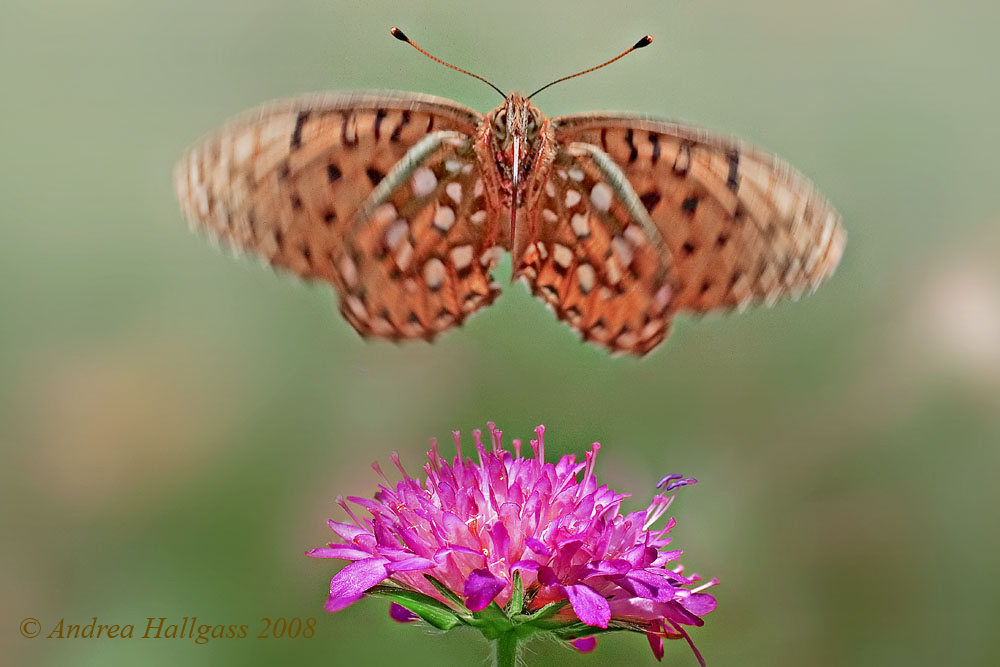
<point x="740" y="225"/>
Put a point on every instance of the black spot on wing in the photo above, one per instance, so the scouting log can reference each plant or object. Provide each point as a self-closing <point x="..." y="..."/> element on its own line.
<point x="733" y="180"/>
<point x="654" y="139"/>
<point x="379" y="117"/>
<point x="333" y="172"/>
<point x="633" y="152"/>
<point x="650" y="200"/>
<point x="374" y="175"/>
<point x="300" y="120"/>
<point x="398" y="130"/>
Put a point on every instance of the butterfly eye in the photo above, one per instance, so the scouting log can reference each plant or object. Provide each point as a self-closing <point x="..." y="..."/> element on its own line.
<point x="533" y="124"/>
<point x="500" y="124"/>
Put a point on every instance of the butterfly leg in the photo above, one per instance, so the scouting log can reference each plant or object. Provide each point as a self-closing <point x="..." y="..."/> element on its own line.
<point x="597" y="258"/>
<point x="419" y="252"/>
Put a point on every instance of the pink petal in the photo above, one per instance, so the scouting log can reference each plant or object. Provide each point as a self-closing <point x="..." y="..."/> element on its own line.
<point x="585" y="644"/>
<point x="338" y="551"/>
<point x="443" y="552"/>
<point x="655" y="643"/>
<point x="547" y="576"/>
<point x="589" y="606"/>
<point x="480" y="589"/>
<point x="349" y="585"/>
<point x="699" y="603"/>
<point x="410" y="564"/>
<point x="528" y="565"/>
<point x="346" y="531"/>
<point x="642" y="608"/>
<point x="647" y="584"/>
<point x="401" y="614"/>
<point x="538" y="547"/>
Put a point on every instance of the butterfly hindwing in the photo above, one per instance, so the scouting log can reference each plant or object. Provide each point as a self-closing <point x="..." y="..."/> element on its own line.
<point x="598" y="262"/>
<point x="420" y="261"/>
<point x="741" y="225"/>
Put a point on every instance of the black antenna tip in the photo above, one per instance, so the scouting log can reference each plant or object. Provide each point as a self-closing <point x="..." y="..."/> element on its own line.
<point x="401" y="36"/>
<point x="645" y="41"/>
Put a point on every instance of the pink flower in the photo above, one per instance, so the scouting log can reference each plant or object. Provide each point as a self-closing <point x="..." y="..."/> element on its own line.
<point x="512" y="541"/>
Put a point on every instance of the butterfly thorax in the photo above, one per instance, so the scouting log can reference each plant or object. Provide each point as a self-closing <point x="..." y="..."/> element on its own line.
<point x="517" y="139"/>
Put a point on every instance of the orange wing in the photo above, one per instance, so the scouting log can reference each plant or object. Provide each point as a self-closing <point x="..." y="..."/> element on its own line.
<point x="285" y="182"/>
<point x="740" y="225"/>
<point x="599" y="263"/>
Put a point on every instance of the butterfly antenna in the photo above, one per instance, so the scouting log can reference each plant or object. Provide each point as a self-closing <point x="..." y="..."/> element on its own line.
<point x="401" y="36"/>
<point x="645" y="41"/>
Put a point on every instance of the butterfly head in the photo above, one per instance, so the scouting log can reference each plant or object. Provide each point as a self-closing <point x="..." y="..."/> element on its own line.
<point x="516" y="132"/>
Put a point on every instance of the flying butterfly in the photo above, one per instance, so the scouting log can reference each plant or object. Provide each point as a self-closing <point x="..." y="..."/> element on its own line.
<point x="406" y="203"/>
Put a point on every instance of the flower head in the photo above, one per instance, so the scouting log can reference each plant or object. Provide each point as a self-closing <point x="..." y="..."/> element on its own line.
<point x="516" y="544"/>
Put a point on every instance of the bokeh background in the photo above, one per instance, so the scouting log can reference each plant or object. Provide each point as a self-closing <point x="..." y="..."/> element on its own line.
<point x="176" y="423"/>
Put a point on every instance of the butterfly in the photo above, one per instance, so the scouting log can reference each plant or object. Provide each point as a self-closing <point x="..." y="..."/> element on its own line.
<point x="405" y="203"/>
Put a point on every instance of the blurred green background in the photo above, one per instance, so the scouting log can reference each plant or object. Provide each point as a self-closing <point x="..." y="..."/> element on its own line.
<point x="175" y="424"/>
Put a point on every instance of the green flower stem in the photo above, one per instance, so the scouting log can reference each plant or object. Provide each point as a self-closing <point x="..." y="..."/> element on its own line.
<point x="505" y="649"/>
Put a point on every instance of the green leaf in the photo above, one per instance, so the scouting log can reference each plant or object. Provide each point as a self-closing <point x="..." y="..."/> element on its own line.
<point x="577" y="630"/>
<point x="542" y="615"/>
<point x="516" y="604"/>
<point x="427" y="608"/>
<point x="448" y="594"/>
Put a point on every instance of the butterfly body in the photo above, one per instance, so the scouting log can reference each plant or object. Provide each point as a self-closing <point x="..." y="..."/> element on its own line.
<point x="406" y="202"/>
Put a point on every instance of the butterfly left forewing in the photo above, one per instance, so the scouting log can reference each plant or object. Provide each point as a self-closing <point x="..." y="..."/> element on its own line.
<point x="286" y="183"/>
<point x="740" y="225"/>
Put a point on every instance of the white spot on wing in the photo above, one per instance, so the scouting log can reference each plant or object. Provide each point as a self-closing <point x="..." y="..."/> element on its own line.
<point x="424" y="182"/>
<point x="634" y="235"/>
<point x="600" y="194"/>
<point x="358" y="308"/>
<point x="623" y="249"/>
<point x="662" y="298"/>
<point x="492" y="256"/>
<point x="586" y="277"/>
<point x="383" y="214"/>
<point x="243" y="147"/>
<point x="396" y="233"/>
<point x="403" y="256"/>
<point x="348" y="271"/>
<point x="562" y="255"/>
<point x="461" y="256"/>
<point x="434" y="273"/>
<point x="444" y="218"/>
